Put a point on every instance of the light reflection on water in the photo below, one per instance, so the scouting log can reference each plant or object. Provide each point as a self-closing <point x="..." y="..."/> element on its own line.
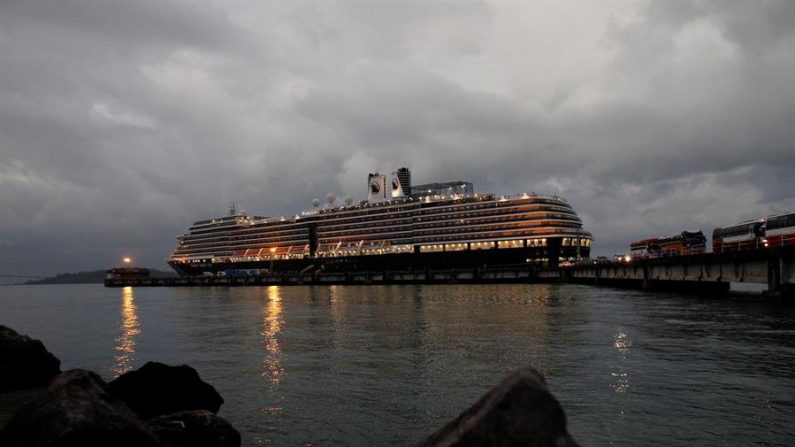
<point x="388" y="365"/>
<point x="271" y="326"/>
<point x="128" y="330"/>
<point x="335" y="312"/>
<point x="622" y="343"/>
<point x="272" y="371"/>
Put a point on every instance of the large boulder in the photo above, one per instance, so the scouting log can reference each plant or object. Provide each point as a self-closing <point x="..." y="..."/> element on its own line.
<point x="24" y="362"/>
<point x="518" y="412"/>
<point x="156" y="389"/>
<point x="12" y="401"/>
<point x="194" y="428"/>
<point x="75" y="410"/>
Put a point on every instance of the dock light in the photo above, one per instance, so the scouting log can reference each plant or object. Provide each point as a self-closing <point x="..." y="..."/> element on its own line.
<point x="127" y="262"/>
<point x="627" y="258"/>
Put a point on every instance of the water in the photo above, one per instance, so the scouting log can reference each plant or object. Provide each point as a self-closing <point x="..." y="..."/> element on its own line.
<point x="388" y="365"/>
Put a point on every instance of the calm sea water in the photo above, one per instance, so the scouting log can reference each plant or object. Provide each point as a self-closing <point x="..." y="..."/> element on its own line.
<point x="388" y="365"/>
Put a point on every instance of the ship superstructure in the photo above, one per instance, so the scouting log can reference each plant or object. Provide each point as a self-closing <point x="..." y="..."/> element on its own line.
<point x="443" y="226"/>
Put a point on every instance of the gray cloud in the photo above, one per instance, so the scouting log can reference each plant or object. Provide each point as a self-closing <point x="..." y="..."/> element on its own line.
<point x="122" y="122"/>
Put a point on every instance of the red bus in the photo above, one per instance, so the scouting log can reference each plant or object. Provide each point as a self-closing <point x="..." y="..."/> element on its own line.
<point x="780" y="230"/>
<point x="644" y="248"/>
<point x="682" y="244"/>
<point x="774" y="231"/>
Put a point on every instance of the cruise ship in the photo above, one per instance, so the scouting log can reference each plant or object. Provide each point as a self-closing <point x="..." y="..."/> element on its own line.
<point x="399" y="227"/>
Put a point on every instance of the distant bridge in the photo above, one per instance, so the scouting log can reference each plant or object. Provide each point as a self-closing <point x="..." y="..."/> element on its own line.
<point x="9" y="280"/>
<point x="706" y="272"/>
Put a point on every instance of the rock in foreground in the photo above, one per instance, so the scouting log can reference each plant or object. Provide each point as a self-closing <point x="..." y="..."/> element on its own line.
<point x="12" y="401"/>
<point x="156" y="389"/>
<point x="24" y="362"/>
<point x="195" y="428"/>
<point x="76" y="410"/>
<point x="518" y="412"/>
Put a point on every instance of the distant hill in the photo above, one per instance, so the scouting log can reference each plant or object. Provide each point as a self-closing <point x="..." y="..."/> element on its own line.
<point x="93" y="277"/>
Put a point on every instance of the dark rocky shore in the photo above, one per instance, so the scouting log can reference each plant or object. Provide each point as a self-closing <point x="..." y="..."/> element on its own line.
<point x="162" y="405"/>
<point x="155" y="405"/>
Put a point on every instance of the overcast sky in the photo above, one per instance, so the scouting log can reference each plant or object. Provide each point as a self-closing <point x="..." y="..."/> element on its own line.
<point x="122" y="122"/>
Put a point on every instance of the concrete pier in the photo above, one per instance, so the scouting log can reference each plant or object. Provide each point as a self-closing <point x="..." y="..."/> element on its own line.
<point x="706" y="273"/>
<point x="698" y="273"/>
<point x="452" y="276"/>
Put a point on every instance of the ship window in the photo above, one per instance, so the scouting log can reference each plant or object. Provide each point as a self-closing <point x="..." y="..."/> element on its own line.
<point x="510" y="244"/>
<point x="431" y="248"/>
<point x="455" y="247"/>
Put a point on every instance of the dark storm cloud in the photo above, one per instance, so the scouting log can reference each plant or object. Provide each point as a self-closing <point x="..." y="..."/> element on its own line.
<point x="82" y="145"/>
<point x="122" y="122"/>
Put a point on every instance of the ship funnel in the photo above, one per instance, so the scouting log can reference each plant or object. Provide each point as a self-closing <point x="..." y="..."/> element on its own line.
<point x="397" y="187"/>
<point x="404" y="176"/>
<point x="376" y="188"/>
